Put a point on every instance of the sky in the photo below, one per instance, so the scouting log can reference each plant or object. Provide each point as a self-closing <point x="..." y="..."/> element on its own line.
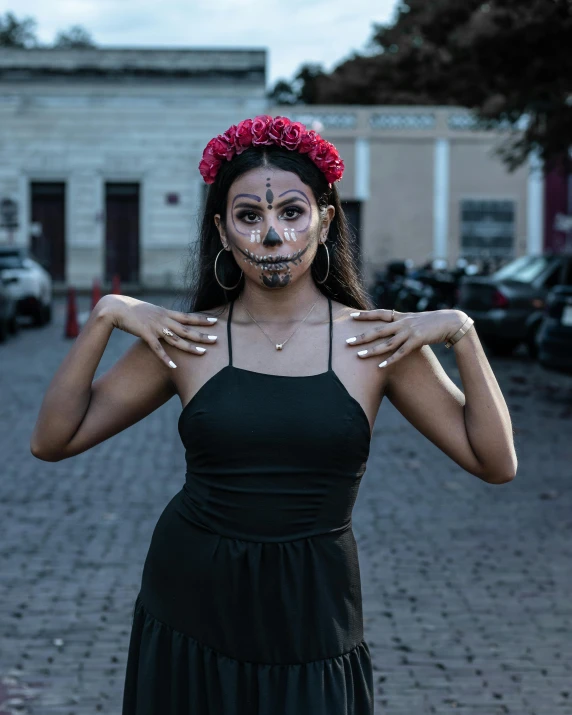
<point x="293" y="31"/>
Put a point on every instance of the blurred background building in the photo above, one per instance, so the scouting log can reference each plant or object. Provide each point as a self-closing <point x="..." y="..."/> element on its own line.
<point x="99" y="153"/>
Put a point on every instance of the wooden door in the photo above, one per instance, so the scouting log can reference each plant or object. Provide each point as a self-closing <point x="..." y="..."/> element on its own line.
<point x="47" y="222"/>
<point x="122" y="232"/>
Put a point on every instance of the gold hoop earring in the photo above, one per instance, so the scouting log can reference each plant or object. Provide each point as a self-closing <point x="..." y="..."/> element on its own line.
<point x="327" y="272"/>
<point x="217" y="280"/>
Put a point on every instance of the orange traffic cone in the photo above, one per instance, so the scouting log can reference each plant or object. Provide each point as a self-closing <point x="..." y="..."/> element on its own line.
<point x="95" y="293"/>
<point x="72" y="327"/>
<point x="116" y="284"/>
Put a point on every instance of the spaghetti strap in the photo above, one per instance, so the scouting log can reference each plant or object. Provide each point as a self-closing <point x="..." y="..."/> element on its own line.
<point x="228" y="332"/>
<point x="331" y="333"/>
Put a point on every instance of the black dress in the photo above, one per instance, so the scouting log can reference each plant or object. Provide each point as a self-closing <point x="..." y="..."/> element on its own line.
<point x="250" y="601"/>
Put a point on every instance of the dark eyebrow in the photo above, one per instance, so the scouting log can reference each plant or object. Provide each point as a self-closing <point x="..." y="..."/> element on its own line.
<point x="305" y="198"/>
<point x="248" y="196"/>
<point x="278" y="205"/>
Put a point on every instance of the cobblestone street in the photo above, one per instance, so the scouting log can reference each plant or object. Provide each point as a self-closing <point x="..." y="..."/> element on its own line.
<point x="467" y="586"/>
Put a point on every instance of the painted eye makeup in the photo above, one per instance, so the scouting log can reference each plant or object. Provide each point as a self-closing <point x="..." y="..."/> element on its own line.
<point x="242" y="215"/>
<point x="290" y="212"/>
<point x="297" y="211"/>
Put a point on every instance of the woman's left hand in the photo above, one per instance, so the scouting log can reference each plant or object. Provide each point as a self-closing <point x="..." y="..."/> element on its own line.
<point x="406" y="332"/>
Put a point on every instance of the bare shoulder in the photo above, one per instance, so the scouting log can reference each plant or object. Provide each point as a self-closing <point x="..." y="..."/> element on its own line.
<point x="341" y="314"/>
<point x="194" y="368"/>
<point x="362" y="375"/>
<point x="218" y="311"/>
<point x="399" y="372"/>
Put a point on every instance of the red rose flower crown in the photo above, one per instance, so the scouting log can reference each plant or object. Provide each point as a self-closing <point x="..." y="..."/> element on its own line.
<point x="263" y="131"/>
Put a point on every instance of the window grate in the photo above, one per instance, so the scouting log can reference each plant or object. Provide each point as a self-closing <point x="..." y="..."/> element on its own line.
<point x="487" y="228"/>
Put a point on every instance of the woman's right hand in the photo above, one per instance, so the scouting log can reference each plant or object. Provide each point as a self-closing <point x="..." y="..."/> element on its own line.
<point x="146" y="321"/>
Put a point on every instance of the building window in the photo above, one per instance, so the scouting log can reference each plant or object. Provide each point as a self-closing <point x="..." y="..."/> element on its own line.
<point x="487" y="228"/>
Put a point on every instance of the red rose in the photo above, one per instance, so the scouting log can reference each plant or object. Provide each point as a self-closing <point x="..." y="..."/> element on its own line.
<point x="243" y="136"/>
<point x="209" y="169"/>
<point x="292" y="135"/>
<point x="335" y="171"/>
<point x="221" y="148"/>
<point x="210" y="164"/>
<point x="308" y="141"/>
<point x="319" y="151"/>
<point x="260" y="127"/>
<point x="230" y="135"/>
<point x="327" y="159"/>
<point x="277" y="128"/>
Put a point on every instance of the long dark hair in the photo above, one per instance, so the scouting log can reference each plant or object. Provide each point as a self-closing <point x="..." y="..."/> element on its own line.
<point x="344" y="282"/>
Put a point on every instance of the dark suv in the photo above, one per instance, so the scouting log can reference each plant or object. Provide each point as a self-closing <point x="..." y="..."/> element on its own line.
<point x="508" y="305"/>
<point x="554" y="339"/>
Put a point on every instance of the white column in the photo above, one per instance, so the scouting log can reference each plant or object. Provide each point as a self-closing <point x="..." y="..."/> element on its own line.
<point x="535" y="206"/>
<point x="22" y="236"/>
<point x="441" y="198"/>
<point x="362" y="175"/>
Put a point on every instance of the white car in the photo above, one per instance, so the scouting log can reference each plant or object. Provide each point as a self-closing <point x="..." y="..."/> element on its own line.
<point x="32" y="288"/>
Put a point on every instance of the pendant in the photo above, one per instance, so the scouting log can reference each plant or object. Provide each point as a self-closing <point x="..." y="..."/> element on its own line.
<point x="279" y="346"/>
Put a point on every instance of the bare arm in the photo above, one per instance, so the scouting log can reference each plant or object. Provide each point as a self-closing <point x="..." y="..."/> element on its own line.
<point x="76" y="414"/>
<point x="473" y="428"/>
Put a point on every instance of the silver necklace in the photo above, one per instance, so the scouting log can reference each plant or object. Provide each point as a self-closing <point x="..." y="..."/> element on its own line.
<point x="278" y="346"/>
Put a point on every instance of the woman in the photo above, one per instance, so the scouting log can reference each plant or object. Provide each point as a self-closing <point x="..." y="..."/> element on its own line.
<point x="250" y="601"/>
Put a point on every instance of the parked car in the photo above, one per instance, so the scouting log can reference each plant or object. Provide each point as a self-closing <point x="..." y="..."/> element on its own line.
<point x="388" y="282"/>
<point x="32" y="287"/>
<point x="554" y="339"/>
<point x="508" y="305"/>
<point x="8" y="309"/>
<point x="433" y="286"/>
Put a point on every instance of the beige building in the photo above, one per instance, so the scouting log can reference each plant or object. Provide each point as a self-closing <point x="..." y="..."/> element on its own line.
<point x="423" y="183"/>
<point x="99" y="152"/>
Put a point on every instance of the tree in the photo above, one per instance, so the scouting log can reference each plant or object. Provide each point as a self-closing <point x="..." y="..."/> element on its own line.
<point x="303" y="88"/>
<point x="76" y="38"/>
<point x="17" y="33"/>
<point x="283" y="93"/>
<point x="509" y="61"/>
<point x="307" y="81"/>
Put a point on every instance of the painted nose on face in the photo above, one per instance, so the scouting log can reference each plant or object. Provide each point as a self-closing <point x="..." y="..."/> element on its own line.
<point x="272" y="238"/>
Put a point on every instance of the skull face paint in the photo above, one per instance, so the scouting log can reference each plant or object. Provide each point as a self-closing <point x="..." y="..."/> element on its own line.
<point x="274" y="271"/>
<point x="272" y="238"/>
<point x="273" y="210"/>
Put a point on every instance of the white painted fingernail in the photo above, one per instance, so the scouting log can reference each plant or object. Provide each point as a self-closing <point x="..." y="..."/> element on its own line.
<point x="350" y="340"/>
<point x="383" y="364"/>
<point x="212" y="337"/>
<point x="172" y="364"/>
<point x="362" y="352"/>
<point x="212" y="320"/>
<point x="354" y="315"/>
<point x="201" y="350"/>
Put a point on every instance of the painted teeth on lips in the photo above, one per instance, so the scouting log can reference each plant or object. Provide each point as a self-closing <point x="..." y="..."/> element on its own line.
<point x="272" y="259"/>
<point x="276" y="259"/>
